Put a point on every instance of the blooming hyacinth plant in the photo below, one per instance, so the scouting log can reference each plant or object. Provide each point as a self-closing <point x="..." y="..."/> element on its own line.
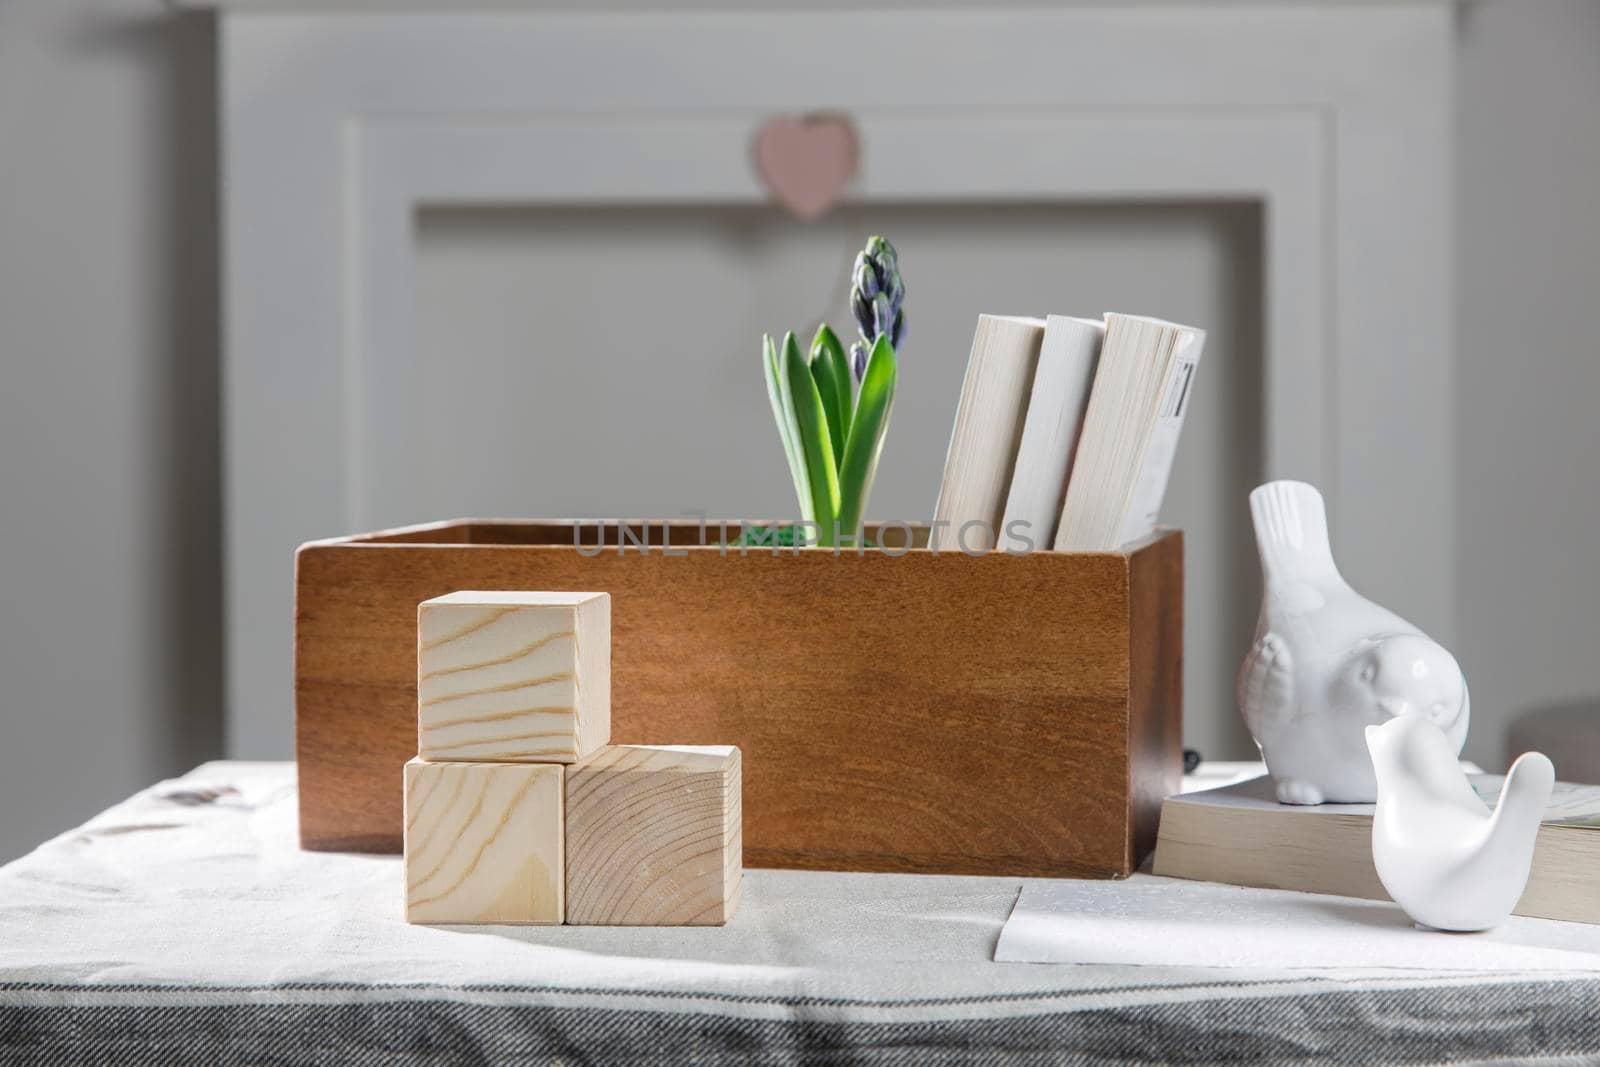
<point x="877" y="299"/>
<point x="833" y="435"/>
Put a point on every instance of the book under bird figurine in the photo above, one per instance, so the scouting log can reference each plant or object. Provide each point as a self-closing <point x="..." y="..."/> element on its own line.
<point x="1327" y="662"/>
<point x="1443" y="856"/>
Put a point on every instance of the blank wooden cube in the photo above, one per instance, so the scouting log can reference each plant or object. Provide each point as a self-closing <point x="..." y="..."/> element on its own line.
<point x="484" y="842"/>
<point x="508" y="677"/>
<point x="653" y="836"/>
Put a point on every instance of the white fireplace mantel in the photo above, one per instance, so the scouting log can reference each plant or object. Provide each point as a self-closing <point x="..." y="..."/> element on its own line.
<point x="337" y="124"/>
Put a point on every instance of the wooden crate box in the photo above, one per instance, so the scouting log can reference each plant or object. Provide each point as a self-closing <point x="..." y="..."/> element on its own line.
<point x="913" y="711"/>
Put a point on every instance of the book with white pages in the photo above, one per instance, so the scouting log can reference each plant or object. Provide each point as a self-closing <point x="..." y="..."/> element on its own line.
<point x="1240" y="834"/>
<point x="1141" y="393"/>
<point x="987" y="432"/>
<point x="1056" y="406"/>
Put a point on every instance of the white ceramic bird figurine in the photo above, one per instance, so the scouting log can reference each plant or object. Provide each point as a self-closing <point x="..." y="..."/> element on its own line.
<point x="1443" y="857"/>
<point x="1327" y="662"/>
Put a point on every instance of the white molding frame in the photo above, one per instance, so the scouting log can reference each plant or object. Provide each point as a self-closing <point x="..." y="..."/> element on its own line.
<point x="337" y="127"/>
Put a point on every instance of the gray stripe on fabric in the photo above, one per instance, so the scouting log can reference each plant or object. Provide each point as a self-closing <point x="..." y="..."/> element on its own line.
<point x="1506" y="1022"/>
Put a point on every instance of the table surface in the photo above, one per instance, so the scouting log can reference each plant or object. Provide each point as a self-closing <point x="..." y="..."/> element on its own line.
<point x="185" y="925"/>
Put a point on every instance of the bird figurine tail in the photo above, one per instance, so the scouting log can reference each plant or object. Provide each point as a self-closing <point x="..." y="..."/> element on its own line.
<point x="1523" y="798"/>
<point x="1292" y="533"/>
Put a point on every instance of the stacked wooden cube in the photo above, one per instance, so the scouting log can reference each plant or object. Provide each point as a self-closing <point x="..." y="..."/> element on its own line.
<point x="518" y="808"/>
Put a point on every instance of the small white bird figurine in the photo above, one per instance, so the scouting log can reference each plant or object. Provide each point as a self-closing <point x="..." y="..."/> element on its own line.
<point x="1442" y="856"/>
<point x="1327" y="662"/>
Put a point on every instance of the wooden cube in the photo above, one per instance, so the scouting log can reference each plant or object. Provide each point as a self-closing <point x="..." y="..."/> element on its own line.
<point x="507" y="677"/>
<point x="653" y="836"/>
<point x="484" y="842"/>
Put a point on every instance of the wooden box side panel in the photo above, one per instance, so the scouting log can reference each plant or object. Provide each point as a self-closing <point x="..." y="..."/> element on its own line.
<point x="1155" y="697"/>
<point x="912" y="713"/>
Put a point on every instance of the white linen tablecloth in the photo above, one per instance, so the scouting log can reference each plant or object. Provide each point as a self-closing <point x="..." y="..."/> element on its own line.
<point x="185" y="925"/>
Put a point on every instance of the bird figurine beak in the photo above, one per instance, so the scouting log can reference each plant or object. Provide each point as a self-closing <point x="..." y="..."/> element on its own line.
<point x="1394" y="707"/>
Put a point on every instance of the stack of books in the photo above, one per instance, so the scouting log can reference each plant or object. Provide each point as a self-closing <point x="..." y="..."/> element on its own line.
<point x="1065" y="433"/>
<point x="1241" y="835"/>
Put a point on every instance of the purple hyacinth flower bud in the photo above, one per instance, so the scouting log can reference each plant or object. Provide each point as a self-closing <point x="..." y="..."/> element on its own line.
<point x="861" y="308"/>
<point x="882" y="315"/>
<point x="876" y="295"/>
<point x="865" y="279"/>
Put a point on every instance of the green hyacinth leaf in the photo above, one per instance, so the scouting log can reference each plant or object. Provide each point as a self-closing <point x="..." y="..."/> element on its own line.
<point x="831" y="370"/>
<point x="867" y="433"/>
<point x="788" y="425"/>
<point x="815" y="445"/>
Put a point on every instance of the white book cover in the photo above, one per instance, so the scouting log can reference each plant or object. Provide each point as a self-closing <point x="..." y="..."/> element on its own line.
<point x="1143" y="385"/>
<point x="987" y="431"/>
<point x="1144" y="505"/>
<point x="1056" y="406"/>
<point x="1571" y="803"/>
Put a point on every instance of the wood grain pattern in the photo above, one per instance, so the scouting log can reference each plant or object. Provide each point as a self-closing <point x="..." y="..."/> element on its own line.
<point x="653" y="836"/>
<point x="513" y="676"/>
<point x="484" y="842"/>
<point x="1022" y="665"/>
<point x="1155" y="693"/>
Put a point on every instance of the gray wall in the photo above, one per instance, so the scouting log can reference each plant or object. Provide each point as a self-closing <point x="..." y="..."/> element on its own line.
<point x="1528" y="297"/>
<point x="109" y="598"/>
<point x="109" y="607"/>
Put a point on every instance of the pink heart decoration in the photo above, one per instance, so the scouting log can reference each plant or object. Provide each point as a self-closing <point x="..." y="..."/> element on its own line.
<point x="806" y="162"/>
